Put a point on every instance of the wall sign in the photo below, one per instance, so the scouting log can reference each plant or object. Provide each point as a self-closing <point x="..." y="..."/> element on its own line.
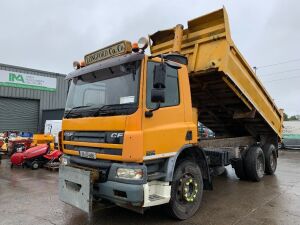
<point x="22" y="80"/>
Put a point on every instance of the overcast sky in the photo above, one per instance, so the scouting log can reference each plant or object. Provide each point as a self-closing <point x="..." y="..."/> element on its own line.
<point x="50" y="35"/>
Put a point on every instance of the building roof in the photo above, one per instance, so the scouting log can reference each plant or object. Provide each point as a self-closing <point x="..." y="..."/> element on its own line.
<point x="30" y="69"/>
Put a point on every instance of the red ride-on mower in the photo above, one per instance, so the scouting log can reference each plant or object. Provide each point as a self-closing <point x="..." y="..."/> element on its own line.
<point x="35" y="157"/>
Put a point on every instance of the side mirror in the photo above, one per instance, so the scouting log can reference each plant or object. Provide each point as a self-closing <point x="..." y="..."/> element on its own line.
<point x="158" y="95"/>
<point x="159" y="78"/>
<point x="159" y="85"/>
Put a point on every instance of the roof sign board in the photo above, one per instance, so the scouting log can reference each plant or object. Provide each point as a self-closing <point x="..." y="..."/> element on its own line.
<point x="21" y="80"/>
<point x="120" y="48"/>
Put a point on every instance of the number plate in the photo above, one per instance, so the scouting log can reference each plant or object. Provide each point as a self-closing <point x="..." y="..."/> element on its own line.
<point x="89" y="155"/>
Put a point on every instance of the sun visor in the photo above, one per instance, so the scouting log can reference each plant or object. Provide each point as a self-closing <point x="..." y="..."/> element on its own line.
<point x="111" y="62"/>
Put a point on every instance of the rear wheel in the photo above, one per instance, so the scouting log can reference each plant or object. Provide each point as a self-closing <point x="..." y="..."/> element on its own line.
<point x="270" y="159"/>
<point x="34" y="165"/>
<point x="255" y="163"/>
<point x="186" y="190"/>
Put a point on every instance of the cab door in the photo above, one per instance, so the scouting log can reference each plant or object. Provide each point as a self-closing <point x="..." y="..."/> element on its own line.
<point x="164" y="133"/>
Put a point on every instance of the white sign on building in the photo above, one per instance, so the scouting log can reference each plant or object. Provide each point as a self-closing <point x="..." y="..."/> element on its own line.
<point x="21" y="80"/>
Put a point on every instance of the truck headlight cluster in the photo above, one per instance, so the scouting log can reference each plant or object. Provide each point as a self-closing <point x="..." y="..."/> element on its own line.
<point x="64" y="161"/>
<point x="129" y="173"/>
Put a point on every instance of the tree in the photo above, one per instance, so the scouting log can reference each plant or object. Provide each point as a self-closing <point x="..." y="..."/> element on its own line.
<point x="285" y="117"/>
<point x="293" y="118"/>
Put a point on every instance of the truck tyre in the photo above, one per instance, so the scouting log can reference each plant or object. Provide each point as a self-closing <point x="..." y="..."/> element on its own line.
<point x="34" y="165"/>
<point x="186" y="190"/>
<point x="270" y="158"/>
<point x="255" y="163"/>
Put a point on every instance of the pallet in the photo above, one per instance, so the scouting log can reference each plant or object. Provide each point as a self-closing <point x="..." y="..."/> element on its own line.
<point x="54" y="166"/>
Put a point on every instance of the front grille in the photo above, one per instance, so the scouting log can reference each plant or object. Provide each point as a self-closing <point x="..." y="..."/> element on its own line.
<point x="115" y="137"/>
<point x="108" y="151"/>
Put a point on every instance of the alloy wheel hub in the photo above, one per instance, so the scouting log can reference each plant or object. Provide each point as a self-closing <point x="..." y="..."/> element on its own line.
<point x="189" y="189"/>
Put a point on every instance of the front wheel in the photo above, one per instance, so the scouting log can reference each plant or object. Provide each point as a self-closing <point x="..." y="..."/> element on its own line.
<point x="34" y="165"/>
<point x="186" y="190"/>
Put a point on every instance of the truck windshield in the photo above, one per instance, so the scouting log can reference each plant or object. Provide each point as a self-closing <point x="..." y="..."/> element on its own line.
<point x="110" y="91"/>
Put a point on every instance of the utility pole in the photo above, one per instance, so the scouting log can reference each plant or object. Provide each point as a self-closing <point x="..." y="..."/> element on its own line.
<point x="255" y="68"/>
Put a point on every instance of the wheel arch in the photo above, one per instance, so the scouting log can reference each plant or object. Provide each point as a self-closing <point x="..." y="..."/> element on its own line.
<point x="196" y="153"/>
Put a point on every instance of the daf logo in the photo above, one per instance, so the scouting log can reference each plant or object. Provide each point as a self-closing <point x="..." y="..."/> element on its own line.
<point x="116" y="135"/>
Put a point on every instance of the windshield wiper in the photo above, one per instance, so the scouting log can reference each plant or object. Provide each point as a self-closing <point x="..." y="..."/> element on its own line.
<point x="77" y="107"/>
<point x="112" y="109"/>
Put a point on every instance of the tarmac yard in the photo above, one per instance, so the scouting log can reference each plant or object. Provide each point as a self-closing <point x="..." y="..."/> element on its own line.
<point x="29" y="197"/>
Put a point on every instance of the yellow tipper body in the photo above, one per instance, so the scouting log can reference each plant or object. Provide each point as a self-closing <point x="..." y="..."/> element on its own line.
<point x="220" y="77"/>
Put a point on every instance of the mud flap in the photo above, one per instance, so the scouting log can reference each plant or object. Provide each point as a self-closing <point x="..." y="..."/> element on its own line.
<point x="75" y="188"/>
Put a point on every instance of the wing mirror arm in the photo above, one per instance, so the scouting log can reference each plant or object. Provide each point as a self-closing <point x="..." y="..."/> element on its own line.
<point x="149" y="113"/>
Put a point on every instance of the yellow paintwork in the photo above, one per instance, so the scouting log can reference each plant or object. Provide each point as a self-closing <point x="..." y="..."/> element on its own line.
<point x="42" y="139"/>
<point x="4" y="147"/>
<point x="208" y="45"/>
<point x="39" y="139"/>
<point x="165" y="132"/>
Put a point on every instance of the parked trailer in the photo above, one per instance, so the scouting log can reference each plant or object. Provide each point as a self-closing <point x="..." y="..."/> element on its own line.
<point x="130" y="133"/>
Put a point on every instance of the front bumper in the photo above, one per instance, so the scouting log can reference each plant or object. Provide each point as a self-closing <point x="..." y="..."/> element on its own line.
<point x="77" y="188"/>
<point x="120" y="193"/>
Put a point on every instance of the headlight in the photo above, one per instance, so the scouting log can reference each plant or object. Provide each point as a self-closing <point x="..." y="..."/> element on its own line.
<point x="143" y="43"/>
<point x="129" y="173"/>
<point x="64" y="161"/>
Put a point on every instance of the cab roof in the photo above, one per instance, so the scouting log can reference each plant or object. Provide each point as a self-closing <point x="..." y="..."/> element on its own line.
<point x="118" y="60"/>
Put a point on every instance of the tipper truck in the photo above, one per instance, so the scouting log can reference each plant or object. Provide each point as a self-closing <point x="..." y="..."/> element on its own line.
<point x="130" y="129"/>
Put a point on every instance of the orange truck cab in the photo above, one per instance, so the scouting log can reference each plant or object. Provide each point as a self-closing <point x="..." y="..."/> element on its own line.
<point x="130" y="129"/>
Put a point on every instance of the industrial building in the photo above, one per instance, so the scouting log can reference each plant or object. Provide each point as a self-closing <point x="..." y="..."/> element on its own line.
<point x="28" y="97"/>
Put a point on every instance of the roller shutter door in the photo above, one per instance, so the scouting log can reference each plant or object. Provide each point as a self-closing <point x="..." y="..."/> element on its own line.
<point x="19" y="114"/>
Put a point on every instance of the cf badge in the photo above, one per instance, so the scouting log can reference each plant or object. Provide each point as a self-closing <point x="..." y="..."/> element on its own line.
<point x="116" y="135"/>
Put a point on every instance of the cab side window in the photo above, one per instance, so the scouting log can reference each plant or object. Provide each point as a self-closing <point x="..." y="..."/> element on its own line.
<point x="171" y="90"/>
